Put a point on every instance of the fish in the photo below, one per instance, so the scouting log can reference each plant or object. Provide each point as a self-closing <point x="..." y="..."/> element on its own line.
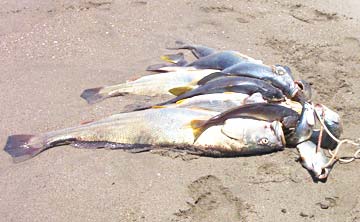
<point x="222" y="60"/>
<point x="168" y="127"/>
<point x="232" y="84"/>
<point x="259" y="111"/>
<point x="304" y="128"/>
<point x="279" y="76"/>
<point x="333" y="122"/>
<point x="314" y="161"/>
<point x="218" y="60"/>
<point x="218" y="102"/>
<point x="207" y="58"/>
<point x="198" y="51"/>
<point x="150" y="85"/>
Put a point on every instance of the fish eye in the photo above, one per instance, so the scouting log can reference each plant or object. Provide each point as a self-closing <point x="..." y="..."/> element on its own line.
<point x="263" y="141"/>
<point x="280" y="70"/>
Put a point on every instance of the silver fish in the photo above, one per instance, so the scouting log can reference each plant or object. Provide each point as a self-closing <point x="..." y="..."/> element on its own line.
<point x="313" y="161"/>
<point x="150" y="85"/>
<point x="207" y="58"/>
<point x="169" y="127"/>
<point x="218" y="102"/>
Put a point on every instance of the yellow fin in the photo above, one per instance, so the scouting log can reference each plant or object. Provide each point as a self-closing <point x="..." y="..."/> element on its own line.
<point x="180" y="90"/>
<point x="197" y="127"/>
<point x="229" y="92"/>
<point x="180" y="101"/>
<point x="167" y="59"/>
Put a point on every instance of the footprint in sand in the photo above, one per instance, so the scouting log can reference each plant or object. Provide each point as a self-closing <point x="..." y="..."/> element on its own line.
<point x="309" y="15"/>
<point x="216" y="9"/>
<point x="212" y="202"/>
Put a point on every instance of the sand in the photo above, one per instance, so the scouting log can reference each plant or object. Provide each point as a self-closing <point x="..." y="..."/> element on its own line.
<point x="50" y="52"/>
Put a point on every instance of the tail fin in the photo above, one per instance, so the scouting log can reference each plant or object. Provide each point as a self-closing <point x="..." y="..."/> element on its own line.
<point x="24" y="147"/>
<point x="158" y="67"/>
<point x="93" y="95"/>
<point x="177" y="59"/>
<point x="179" y="45"/>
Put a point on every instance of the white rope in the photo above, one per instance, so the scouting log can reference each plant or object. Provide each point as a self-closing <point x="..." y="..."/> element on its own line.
<point x="340" y="143"/>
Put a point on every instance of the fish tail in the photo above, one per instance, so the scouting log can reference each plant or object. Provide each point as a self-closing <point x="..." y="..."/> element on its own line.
<point x="96" y="95"/>
<point x="180" y="45"/>
<point x="158" y="67"/>
<point x="177" y="59"/>
<point x="24" y="147"/>
<point x="93" y="95"/>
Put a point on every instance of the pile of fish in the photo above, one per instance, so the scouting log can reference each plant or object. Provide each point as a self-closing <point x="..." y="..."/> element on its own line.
<point x="225" y="104"/>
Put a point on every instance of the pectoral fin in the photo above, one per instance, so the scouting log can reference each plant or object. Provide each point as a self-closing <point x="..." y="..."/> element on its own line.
<point x="197" y="127"/>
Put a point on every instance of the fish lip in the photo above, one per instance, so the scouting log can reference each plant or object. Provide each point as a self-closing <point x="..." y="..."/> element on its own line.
<point x="324" y="174"/>
<point x="283" y="140"/>
<point x="280" y="133"/>
<point x="293" y="92"/>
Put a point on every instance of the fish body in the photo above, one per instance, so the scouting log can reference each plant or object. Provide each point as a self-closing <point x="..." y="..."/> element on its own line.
<point x="218" y="60"/>
<point x="277" y="75"/>
<point x="161" y="127"/>
<point x="313" y="161"/>
<point x="221" y="60"/>
<point x="150" y="85"/>
<point x="218" y="102"/>
<point x="243" y="85"/>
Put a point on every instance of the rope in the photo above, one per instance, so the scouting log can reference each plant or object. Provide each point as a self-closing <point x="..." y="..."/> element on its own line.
<point x="340" y="143"/>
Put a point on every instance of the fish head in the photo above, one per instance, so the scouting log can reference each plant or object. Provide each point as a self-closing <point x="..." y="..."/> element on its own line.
<point x="312" y="160"/>
<point x="331" y="118"/>
<point x="254" y="135"/>
<point x="285" y="80"/>
<point x="332" y="122"/>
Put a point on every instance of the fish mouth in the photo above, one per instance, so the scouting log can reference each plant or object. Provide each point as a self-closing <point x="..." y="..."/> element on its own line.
<point x="278" y="130"/>
<point x="293" y="92"/>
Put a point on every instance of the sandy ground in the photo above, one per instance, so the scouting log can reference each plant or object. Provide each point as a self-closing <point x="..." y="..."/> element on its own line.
<point x="50" y="52"/>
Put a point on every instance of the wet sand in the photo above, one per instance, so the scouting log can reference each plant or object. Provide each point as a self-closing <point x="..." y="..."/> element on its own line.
<point x="51" y="52"/>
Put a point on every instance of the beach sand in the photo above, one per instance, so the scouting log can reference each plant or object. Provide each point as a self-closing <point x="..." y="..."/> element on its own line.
<point x="50" y="51"/>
